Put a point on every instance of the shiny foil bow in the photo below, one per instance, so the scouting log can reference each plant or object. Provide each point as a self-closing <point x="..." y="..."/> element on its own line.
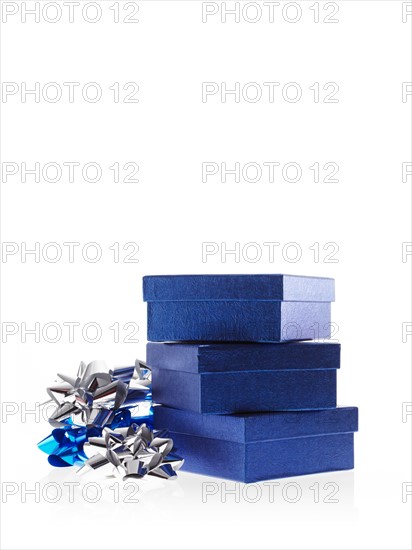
<point x="112" y="406"/>
<point x="133" y="452"/>
<point x="97" y="393"/>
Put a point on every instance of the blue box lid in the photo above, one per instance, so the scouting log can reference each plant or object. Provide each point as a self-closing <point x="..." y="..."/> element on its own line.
<point x="250" y="427"/>
<point x="293" y="288"/>
<point x="223" y="357"/>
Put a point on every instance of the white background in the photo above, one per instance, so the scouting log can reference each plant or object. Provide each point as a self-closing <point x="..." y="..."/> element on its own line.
<point x="170" y="212"/>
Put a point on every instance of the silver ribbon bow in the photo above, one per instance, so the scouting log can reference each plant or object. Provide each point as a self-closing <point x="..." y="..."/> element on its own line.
<point x="93" y="397"/>
<point x="132" y="452"/>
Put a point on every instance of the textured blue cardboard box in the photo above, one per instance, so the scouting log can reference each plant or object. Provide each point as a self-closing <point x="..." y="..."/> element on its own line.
<point x="217" y="357"/>
<point x="287" y="288"/>
<point x="254" y="308"/>
<point x="231" y="378"/>
<point x="261" y="446"/>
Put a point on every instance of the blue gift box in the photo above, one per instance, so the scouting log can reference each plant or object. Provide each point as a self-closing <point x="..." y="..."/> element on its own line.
<point x="255" y="308"/>
<point x="232" y="378"/>
<point x="261" y="446"/>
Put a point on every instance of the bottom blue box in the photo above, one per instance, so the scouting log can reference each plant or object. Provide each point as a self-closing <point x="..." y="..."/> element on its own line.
<point x="256" y="447"/>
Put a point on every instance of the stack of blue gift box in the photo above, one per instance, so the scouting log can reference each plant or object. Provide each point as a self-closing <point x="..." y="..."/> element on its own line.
<point x="246" y="392"/>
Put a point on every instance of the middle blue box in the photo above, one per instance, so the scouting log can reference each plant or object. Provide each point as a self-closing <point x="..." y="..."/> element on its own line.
<point x="235" y="378"/>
